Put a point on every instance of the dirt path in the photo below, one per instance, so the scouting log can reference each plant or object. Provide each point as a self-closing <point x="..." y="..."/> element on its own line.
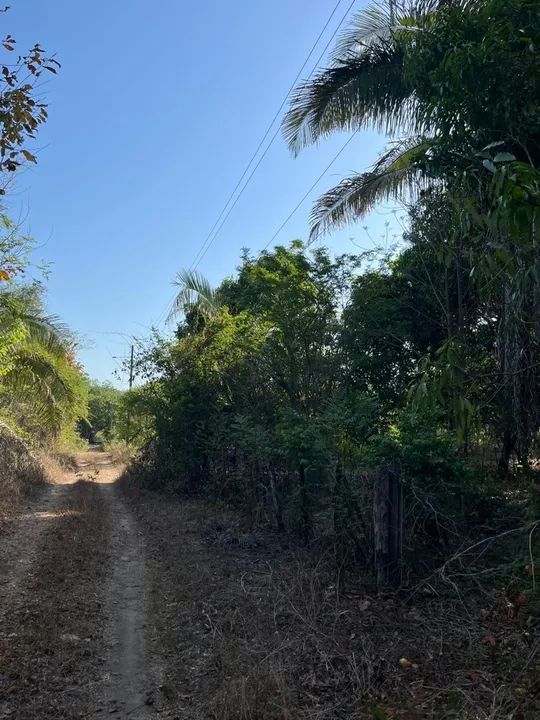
<point x="73" y="602"/>
<point x="137" y="605"/>
<point x="20" y="543"/>
<point x="127" y="679"/>
<point x="128" y="685"/>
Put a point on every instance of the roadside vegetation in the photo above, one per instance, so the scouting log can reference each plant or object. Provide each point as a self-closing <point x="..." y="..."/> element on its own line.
<point x="294" y="386"/>
<point x="381" y="410"/>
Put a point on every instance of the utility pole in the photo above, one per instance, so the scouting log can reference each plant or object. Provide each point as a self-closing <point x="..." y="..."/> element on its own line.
<point x="130" y="386"/>
<point x="130" y="382"/>
<point x="392" y="12"/>
<point x="123" y="358"/>
<point x="131" y="368"/>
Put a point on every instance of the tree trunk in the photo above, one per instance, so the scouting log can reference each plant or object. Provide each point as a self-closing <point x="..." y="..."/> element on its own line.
<point x="509" y="443"/>
<point x="387" y="525"/>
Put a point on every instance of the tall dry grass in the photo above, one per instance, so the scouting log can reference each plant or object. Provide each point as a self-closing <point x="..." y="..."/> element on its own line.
<point x="21" y="471"/>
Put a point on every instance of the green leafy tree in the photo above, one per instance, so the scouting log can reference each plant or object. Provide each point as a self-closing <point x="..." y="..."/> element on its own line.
<point x="458" y="85"/>
<point x="242" y="400"/>
<point x="195" y="294"/>
<point x="103" y="410"/>
<point x="443" y="76"/>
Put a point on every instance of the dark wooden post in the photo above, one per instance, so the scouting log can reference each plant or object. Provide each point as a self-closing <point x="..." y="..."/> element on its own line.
<point x="276" y="501"/>
<point x="338" y="514"/>
<point x="387" y="526"/>
<point x="304" y="510"/>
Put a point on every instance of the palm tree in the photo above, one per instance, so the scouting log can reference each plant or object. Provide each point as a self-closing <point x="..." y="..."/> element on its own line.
<point x="195" y="293"/>
<point x="366" y="86"/>
<point x="40" y="384"/>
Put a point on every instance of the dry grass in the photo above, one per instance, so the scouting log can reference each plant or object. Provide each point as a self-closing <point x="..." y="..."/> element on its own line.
<point x="50" y="645"/>
<point x="121" y="453"/>
<point x="250" y="629"/>
<point x="21" y="472"/>
<point x="56" y="466"/>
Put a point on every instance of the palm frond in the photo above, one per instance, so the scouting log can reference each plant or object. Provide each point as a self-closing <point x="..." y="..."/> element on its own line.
<point x="400" y="173"/>
<point x="194" y="289"/>
<point x="407" y="152"/>
<point x="364" y="85"/>
<point x="369" y="26"/>
<point x="357" y="92"/>
<point x="46" y="330"/>
<point x="37" y="380"/>
<point x="375" y="24"/>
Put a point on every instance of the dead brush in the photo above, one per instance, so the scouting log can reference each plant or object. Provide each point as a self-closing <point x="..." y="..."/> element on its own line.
<point x="279" y="647"/>
<point x="262" y="693"/>
<point x="21" y="471"/>
<point x="268" y="633"/>
<point x="59" y="462"/>
<point x="364" y="669"/>
<point x="341" y="654"/>
<point x="54" y="467"/>
<point x="121" y="453"/>
<point x="306" y="593"/>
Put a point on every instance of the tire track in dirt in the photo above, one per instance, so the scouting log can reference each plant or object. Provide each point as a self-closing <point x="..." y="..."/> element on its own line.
<point x="20" y="544"/>
<point x="50" y="619"/>
<point x="129" y="684"/>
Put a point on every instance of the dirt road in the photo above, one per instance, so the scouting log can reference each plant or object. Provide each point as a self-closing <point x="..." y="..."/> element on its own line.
<point x="73" y="602"/>
<point x="117" y="606"/>
<point x="133" y="606"/>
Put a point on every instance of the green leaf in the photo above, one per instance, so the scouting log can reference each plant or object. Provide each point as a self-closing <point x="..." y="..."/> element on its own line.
<point x="504" y="157"/>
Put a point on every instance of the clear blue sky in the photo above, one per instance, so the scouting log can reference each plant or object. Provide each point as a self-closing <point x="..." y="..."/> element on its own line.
<point x="157" y="109"/>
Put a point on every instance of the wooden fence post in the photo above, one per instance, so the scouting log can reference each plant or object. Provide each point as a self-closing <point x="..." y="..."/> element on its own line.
<point x="387" y="527"/>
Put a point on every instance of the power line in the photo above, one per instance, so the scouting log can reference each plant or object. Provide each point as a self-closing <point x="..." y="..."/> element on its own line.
<point x="304" y="198"/>
<point x="259" y="146"/>
<point x="167" y="310"/>
<point x="115" y="359"/>
<point x="213" y="235"/>
<point x="215" y="230"/>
